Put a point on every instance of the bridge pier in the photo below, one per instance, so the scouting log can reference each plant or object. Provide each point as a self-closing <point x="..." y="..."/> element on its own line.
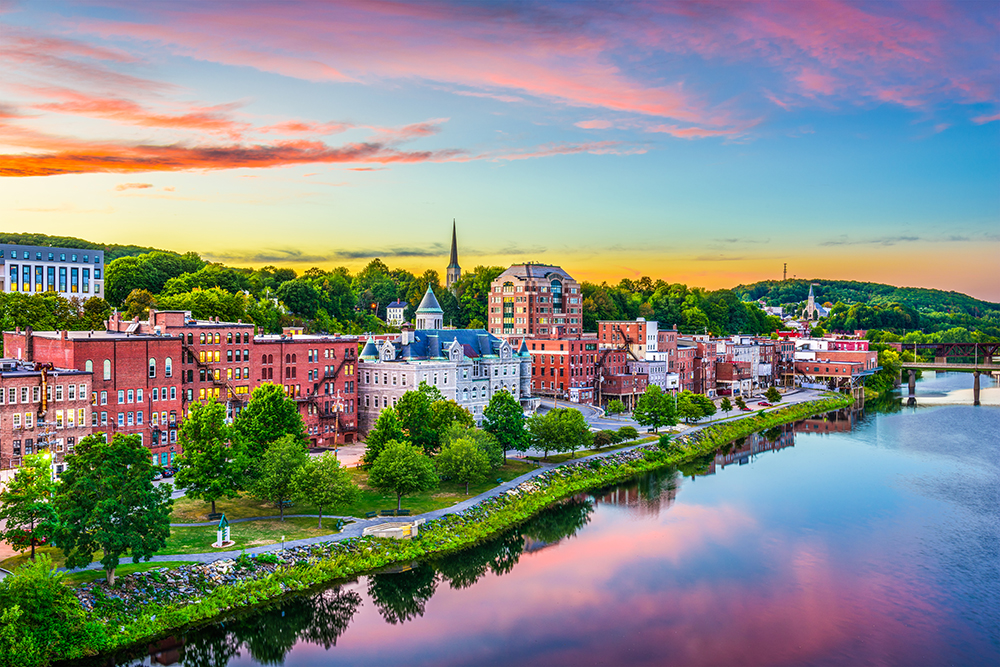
<point x="975" y="388"/>
<point x="912" y="399"/>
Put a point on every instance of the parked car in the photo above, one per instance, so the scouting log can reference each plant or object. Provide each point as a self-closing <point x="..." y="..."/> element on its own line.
<point x="746" y="409"/>
<point x="169" y="472"/>
<point x="764" y="404"/>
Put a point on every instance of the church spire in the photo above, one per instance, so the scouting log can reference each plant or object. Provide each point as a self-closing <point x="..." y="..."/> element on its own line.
<point x="454" y="271"/>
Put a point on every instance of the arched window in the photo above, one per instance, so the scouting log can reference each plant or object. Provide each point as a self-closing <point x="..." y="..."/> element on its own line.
<point x="288" y="358"/>
<point x="229" y="338"/>
<point x="270" y="358"/>
<point x="190" y="338"/>
<point x="201" y="338"/>
<point x="168" y="367"/>
<point x="107" y="369"/>
<point x="89" y="366"/>
<point x="218" y="338"/>
<point x="152" y="367"/>
<point x="246" y="337"/>
<point x="263" y="358"/>
<point x="465" y="395"/>
<point x="293" y="358"/>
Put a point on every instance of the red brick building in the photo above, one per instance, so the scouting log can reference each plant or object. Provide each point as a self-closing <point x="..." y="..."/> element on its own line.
<point x="564" y="367"/>
<point x="535" y="300"/>
<point x="136" y="386"/>
<point x="42" y="410"/>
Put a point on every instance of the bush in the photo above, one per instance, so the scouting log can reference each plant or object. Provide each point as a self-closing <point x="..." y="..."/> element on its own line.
<point x="604" y="439"/>
<point x="42" y="618"/>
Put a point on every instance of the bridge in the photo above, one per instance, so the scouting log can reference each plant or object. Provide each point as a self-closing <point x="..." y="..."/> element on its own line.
<point x="981" y="356"/>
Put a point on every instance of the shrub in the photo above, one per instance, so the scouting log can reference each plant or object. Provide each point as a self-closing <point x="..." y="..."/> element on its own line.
<point x="627" y="433"/>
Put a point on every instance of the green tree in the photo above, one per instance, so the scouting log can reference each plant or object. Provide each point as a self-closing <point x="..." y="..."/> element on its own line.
<point x="446" y="413"/>
<point x="26" y="505"/>
<point x="740" y="403"/>
<point x="41" y="618"/>
<point x="387" y="429"/>
<point x="277" y="472"/>
<point x="138" y="303"/>
<point x="323" y="482"/>
<point x="107" y="501"/>
<point x="205" y="469"/>
<point x="725" y="405"/>
<point x="626" y="433"/>
<point x="269" y="416"/>
<point x="414" y="409"/>
<point x="463" y="461"/>
<point x="654" y="408"/>
<point x="402" y="596"/>
<point x="402" y="469"/>
<point x="604" y="438"/>
<point x="773" y="395"/>
<point x="504" y="418"/>
<point x="485" y="441"/>
<point x="560" y="430"/>
<point x="615" y="407"/>
<point x="300" y="296"/>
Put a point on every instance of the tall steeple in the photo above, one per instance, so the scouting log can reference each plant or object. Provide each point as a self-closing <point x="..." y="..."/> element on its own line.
<point x="454" y="271"/>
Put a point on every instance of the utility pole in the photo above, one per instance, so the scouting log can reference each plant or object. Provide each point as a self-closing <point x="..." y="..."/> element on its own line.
<point x="784" y="275"/>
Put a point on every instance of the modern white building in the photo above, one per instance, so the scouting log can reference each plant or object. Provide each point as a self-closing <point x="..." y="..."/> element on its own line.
<point x="69" y="272"/>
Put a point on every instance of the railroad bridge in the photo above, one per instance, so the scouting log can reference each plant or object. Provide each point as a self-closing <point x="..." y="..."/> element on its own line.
<point x="975" y="358"/>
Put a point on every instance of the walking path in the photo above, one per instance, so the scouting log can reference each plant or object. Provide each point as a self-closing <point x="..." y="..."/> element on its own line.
<point x="357" y="528"/>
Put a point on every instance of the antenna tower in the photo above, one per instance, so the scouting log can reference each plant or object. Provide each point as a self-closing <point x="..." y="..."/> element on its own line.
<point x="784" y="275"/>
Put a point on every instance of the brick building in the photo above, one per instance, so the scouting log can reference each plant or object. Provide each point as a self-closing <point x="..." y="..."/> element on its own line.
<point x="564" y="367"/>
<point x="136" y="379"/>
<point x="535" y="300"/>
<point x="42" y="410"/>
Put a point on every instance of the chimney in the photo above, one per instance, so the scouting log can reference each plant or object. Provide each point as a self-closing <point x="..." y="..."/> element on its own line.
<point x="63" y="335"/>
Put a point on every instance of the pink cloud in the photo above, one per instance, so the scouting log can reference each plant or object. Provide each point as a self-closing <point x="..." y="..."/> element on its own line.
<point x="594" y="124"/>
<point x="133" y="186"/>
<point x="979" y="120"/>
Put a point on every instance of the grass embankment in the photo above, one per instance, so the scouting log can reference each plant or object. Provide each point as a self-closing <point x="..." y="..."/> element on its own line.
<point x="247" y="534"/>
<point x="187" y="510"/>
<point x="74" y="578"/>
<point x="336" y="561"/>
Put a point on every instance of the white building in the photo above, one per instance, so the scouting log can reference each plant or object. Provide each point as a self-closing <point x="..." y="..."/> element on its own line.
<point x="394" y="313"/>
<point x="69" y="272"/>
<point x="467" y="366"/>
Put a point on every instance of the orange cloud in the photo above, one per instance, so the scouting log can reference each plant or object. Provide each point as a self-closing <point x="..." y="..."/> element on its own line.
<point x="134" y="186"/>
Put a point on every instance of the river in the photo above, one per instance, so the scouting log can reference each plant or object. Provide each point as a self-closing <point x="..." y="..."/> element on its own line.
<point x="855" y="539"/>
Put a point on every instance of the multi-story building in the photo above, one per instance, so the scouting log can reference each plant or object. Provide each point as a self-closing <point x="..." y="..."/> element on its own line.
<point x="467" y="366"/>
<point x="535" y="300"/>
<point x="563" y="367"/>
<point x="136" y="381"/>
<point x="42" y="410"/>
<point x="684" y="365"/>
<point x="395" y="313"/>
<point x="69" y="272"/>
<point x="641" y="337"/>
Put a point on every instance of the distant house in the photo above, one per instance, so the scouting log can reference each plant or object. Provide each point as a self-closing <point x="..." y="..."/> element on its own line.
<point x="394" y="313"/>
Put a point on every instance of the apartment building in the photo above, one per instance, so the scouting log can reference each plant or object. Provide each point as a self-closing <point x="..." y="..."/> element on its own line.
<point x="69" y="272"/>
<point x="535" y="300"/>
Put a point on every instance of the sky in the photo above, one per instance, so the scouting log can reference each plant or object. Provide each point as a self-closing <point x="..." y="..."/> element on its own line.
<point x="706" y="143"/>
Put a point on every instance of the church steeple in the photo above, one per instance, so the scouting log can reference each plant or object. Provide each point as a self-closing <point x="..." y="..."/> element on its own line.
<point x="454" y="271"/>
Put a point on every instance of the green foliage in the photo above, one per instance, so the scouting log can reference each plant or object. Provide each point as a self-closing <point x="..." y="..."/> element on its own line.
<point x="321" y="481"/>
<point x="268" y="417"/>
<point x="626" y="433"/>
<point x="107" y="502"/>
<point x="41" y="618"/>
<point x="463" y="461"/>
<point x="387" y="429"/>
<point x="725" y="405"/>
<point x="149" y="272"/>
<point x="424" y="413"/>
<point x="559" y="430"/>
<point x="692" y="407"/>
<point x="27" y="511"/>
<point x="205" y="469"/>
<point x="615" y="407"/>
<point x="740" y="403"/>
<point x="485" y="441"/>
<point x="402" y="469"/>
<point x="504" y="418"/>
<point x="277" y="472"/>
<point x="773" y="395"/>
<point x="604" y="438"/>
<point x="654" y="408"/>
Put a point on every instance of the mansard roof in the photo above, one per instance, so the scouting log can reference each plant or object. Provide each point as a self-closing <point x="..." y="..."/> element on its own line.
<point x="434" y="344"/>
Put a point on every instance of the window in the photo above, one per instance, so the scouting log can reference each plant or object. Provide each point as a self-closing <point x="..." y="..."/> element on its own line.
<point x="138" y="395"/>
<point x="104" y="419"/>
<point x="201" y="338"/>
<point x="229" y="356"/>
<point x="131" y="419"/>
<point x="173" y="393"/>
<point x="152" y="367"/>
<point x="229" y="338"/>
<point x="71" y="393"/>
<point x="156" y="394"/>
<point x="131" y="396"/>
<point x="121" y="419"/>
<point x="138" y="418"/>
<point x="107" y="369"/>
<point x="104" y="398"/>
<point x="217" y="355"/>
<point x="59" y="393"/>
<point x="121" y="396"/>
<point x="168" y="367"/>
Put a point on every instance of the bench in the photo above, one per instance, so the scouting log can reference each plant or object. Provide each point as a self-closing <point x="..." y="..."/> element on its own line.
<point x="338" y="524"/>
<point x="214" y="516"/>
<point x="403" y="513"/>
<point x="387" y="513"/>
<point x="287" y="503"/>
<point x="499" y="480"/>
<point x="371" y="515"/>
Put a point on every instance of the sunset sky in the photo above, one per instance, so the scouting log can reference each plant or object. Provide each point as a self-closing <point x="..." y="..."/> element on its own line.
<point x="705" y="143"/>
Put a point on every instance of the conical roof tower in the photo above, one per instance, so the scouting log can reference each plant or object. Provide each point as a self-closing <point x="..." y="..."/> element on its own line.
<point x="454" y="271"/>
<point x="429" y="314"/>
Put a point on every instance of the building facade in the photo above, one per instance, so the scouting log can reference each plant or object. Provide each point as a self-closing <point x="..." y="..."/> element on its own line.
<point x="467" y="366"/>
<point x="43" y="410"/>
<point x="69" y="272"/>
<point x="535" y="300"/>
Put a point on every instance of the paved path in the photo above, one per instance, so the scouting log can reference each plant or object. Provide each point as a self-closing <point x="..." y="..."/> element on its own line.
<point x="355" y="529"/>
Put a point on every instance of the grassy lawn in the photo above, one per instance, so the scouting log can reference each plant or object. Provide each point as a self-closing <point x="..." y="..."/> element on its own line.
<point x="246" y="535"/>
<point x="20" y="559"/>
<point x="187" y="510"/>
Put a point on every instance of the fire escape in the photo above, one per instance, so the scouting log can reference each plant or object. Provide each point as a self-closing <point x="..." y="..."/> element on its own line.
<point x="625" y="346"/>
<point x="316" y="399"/>
<point x="210" y="375"/>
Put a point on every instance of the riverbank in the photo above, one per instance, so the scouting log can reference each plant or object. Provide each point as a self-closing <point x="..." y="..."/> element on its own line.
<point x="170" y="602"/>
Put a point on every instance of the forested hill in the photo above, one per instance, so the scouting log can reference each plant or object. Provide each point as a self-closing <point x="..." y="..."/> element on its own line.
<point x="111" y="251"/>
<point x="777" y="292"/>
